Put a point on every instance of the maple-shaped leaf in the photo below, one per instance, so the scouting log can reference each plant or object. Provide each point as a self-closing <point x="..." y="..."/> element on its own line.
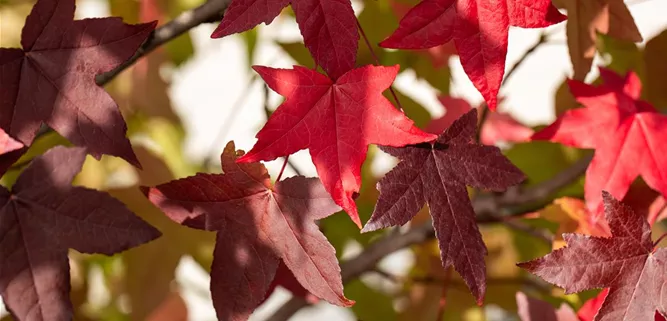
<point x="531" y="309"/>
<point x="479" y="29"/>
<point x="628" y="263"/>
<point x="497" y="126"/>
<point x="328" y="27"/>
<point x="257" y="225"/>
<point x="41" y="218"/>
<point x="336" y="121"/>
<point x="286" y="279"/>
<point x="628" y="136"/>
<point x="437" y="174"/>
<point x="52" y="79"/>
<point x="587" y="18"/>
<point x="10" y="151"/>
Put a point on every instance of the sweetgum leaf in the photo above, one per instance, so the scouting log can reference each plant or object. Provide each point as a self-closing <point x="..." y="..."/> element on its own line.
<point x="336" y="121"/>
<point x="437" y="174"/>
<point x="43" y="216"/>
<point x="479" y="29"/>
<point x="627" y="263"/>
<point x="627" y="136"/>
<point x="257" y="225"/>
<point x="52" y="79"/>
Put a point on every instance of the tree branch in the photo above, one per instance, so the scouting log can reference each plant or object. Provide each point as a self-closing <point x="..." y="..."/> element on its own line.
<point x="486" y="207"/>
<point x="210" y="11"/>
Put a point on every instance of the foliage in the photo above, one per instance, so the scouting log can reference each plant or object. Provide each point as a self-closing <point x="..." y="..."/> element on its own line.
<point x="92" y="163"/>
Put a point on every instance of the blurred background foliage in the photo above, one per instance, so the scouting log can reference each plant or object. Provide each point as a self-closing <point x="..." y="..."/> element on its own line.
<point x="140" y="284"/>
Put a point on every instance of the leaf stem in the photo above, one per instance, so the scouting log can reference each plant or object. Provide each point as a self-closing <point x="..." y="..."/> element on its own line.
<point x="659" y="239"/>
<point x="282" y="169"/>
<point x="377" y="61"/>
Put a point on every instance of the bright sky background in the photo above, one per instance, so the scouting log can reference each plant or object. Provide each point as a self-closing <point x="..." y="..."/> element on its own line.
<point x="206" y="88"/>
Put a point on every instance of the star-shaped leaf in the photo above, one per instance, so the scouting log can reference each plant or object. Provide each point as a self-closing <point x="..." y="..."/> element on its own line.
<point x="479" y="29"/>
<point x="41" y="218"/>
<point x="52" y="79"/>
<point x="627" y="263"/>
<point x="437" y="174"/>
<point x="257" y="225"/>
<point x="336" y="121"/>
<point x="328" y="27"/>
<point x="628" y="138"/>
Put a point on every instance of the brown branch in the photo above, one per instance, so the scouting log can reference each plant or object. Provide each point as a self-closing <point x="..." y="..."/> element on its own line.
<point x="486" y="207"/>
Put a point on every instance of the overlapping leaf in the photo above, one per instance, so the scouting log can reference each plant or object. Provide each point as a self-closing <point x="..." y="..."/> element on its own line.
<point x="41" y="218"/>
<point x="498" y="127"/>
<point x="627" y="262"/>
<point x="479" y="29"/>
<point x="257" y="225"/>
<point x="587" y="18"/>
<point x="52" y="79"/>
<point x="328" y="27"/>
<point x="437" y="174"/>
<point x="628" y="138"/>
<point x="336" y="121"/>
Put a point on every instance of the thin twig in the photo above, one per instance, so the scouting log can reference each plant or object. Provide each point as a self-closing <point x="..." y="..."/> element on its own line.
<point x="393" y="242"/>
<point x="377" y="62"/>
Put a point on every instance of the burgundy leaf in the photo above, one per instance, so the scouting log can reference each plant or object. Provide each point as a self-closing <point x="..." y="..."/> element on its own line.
<point x="52" y="79"/>
<point x="627" y="263"/>
<point x="41" y="218"/>
<point x="257" y="225"/>
<point x="437" y="174"/>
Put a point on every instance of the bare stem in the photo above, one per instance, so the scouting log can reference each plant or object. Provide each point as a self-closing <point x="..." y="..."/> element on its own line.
<point x="282" y="169"/>
<point x="377" y="62"/>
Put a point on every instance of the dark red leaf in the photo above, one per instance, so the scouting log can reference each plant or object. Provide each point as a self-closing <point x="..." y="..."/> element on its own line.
<point x="286" y="279"/>
<point x="41" y="218"/>
<point x="52" y="79"/>
<point x="329" y="28"/>
<point x="627" y="262"/>
<point x="531" y="309"/>
<point x="479" y="29"/>
<point x="336" y="121"/>
<point x="627" y="138"/>
<point x="437" y="174"/>
<point x="257" y="225"/>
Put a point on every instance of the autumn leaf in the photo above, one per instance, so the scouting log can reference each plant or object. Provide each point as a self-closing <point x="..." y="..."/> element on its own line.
<point x="498" y="126"/>
<point x="286" y="279"/>
<point x="257" y="225"/>
<point x="437" y="174"/>
<point x="52" y="79"/>
<point x="479" y="29"/>
<point x="591" y="307"/>
<point x="531" y="309"/>
<point x="587" y="18"/>
<point x="626" y="138"/>
<point x="627" y="263"/>
<point x="336" y="121"/>
<point x="41" y="218"/>
<point x="328" y="27"/>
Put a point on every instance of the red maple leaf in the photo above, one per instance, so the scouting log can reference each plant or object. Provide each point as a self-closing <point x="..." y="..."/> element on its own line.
<point x="257" y="225"/>
<point x="52" y="79"/>
<point x="336" y="121"/>
<point x="286" y="279"/>
<point x="41" y="218"/>
<point x="497" y="126"/>
<point x="328" y="27"/>
<point x="626" y="133"/>
<point x="479" y="29"/>
<point x="628" y="263"/>
<point x="531" y="309"/>
<point x="437" y="174"/>
<point x="591" y="307"/>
